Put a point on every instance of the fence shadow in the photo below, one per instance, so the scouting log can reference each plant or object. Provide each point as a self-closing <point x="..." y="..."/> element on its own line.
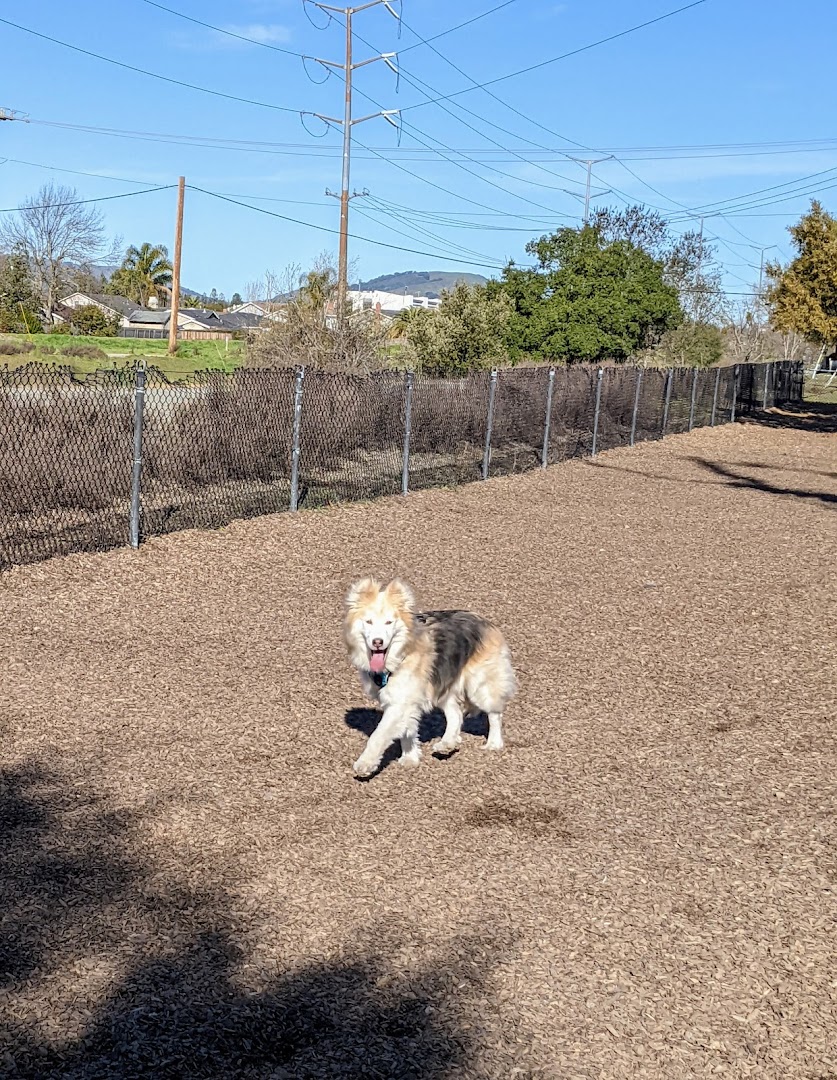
<point x="80" y="902"/>
<point x="814" y="416"/>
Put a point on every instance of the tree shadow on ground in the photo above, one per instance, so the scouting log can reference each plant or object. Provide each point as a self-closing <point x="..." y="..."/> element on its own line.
<point x="728" y="477"/>
<point x="739" y="480"/>
<point x="431" y="727"/>
<point x="814" y="416"/>
<point x="110" y="969"/>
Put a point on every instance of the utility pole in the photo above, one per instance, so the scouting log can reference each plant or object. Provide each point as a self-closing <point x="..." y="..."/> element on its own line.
<point x="175" y="277"/>
<point x="770" y="247"/>
<point x="348" y="67"/>
<point x="589" y="162"/>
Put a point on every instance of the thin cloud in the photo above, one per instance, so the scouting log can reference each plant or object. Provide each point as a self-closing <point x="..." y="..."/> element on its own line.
<point x="212" y="41"/>
<point x="265" y="33"/>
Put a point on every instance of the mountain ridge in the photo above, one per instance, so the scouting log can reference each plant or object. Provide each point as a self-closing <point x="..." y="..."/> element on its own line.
<point x="429" y="283"/>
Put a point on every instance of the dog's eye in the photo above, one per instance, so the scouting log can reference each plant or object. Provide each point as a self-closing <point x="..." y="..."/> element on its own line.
<point x="368" y="622"/>
<point x="388" y="622"/>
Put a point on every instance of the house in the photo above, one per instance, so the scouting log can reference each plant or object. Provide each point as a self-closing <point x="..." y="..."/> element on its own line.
<point x="264" y="309"/>
<point x="119" y="307"/>
<point x="193" y="324"/>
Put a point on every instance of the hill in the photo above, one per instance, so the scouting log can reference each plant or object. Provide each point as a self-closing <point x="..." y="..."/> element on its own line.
<point x="430" y="283"/>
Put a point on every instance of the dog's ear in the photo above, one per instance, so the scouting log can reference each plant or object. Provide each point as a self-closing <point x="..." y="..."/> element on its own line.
<point x="401" y="595"/>
<point x="362" y="592"/>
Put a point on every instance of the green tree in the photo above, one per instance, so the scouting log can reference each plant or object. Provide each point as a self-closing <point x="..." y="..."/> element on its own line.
<point x="691" y="344"/>
<point x="802" y="296"/>
<point x="688" y="258"/>
<point x="20" y="309"/>
<point x="404" y="320"/>
<point x="90" y="320"/>
<point x="145" y="272"/>
<point x="467" y="332"/>
<point x="236" y="299"/>
<point x="588" y="299"/>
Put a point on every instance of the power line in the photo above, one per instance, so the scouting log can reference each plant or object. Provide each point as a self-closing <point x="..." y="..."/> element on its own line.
<point x="459" y="26"/>
<point x="305" y="150"/>
<point x="335" y="232"/>
<point x="563" y="56"/>
<point x="227" y="33"/>
<point x="150" y="74"/>
<point x="81" y="202"/>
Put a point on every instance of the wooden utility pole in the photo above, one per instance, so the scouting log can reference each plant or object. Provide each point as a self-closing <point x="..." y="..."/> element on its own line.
<point x="175" y="278"/>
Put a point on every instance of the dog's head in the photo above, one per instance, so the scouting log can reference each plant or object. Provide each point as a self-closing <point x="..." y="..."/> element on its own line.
<point x="378" y="622"/>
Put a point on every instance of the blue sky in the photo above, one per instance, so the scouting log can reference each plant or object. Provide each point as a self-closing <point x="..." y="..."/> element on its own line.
<point x="723" y="74"/>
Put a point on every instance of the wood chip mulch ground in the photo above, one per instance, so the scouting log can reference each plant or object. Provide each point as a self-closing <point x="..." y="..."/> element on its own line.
<point x="643" y="885"/>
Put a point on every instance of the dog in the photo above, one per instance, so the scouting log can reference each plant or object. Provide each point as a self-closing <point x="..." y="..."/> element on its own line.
<point x="411" y="662"/>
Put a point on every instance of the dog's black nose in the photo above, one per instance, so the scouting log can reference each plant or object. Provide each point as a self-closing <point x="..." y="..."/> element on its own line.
<point x="378" y="643"/>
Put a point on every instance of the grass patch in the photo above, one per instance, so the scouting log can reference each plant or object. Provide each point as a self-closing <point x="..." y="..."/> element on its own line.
<point x="816" y="390"/>
<point x="114" y="353"/>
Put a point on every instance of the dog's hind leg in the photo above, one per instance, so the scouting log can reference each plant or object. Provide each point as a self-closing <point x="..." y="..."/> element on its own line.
<point x="452" y="737"/>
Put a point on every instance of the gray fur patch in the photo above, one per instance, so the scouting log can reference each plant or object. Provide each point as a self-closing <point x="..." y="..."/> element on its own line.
<point x="457" y="635"/>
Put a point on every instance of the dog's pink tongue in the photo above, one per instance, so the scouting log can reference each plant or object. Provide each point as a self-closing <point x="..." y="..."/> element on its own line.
<point x="377" y="661"/>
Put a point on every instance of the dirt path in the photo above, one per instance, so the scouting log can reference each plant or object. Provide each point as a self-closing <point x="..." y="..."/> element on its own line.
<point x="643" y="885"/>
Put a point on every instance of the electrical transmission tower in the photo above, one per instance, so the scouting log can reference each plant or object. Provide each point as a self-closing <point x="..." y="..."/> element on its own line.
<point x="348" y="122"/>
<point x="589" y="162"/>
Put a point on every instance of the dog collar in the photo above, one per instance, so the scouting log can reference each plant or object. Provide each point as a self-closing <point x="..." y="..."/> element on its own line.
<point x="379" y="678"/>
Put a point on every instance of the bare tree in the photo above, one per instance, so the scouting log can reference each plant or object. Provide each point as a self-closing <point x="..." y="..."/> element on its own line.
<point x="58" y="234"/>
<point x="749" y="338"/>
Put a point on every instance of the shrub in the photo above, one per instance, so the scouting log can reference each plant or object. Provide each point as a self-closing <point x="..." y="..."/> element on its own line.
<point x="692" y="344"/>
<point x="15" y="348"/>
<point x="467" y="333"/>
<point x="89" y="320"/>
<point x="84" y="352"/>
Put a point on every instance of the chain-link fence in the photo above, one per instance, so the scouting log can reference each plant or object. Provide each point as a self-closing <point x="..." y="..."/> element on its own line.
<point x="88" y="465"/>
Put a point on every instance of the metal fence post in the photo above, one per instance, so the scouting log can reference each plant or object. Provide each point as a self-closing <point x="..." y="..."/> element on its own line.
<point x="596" y="413"/>
<point x="734" y="393"/>
<point x="547" y="423"/>
<point x="669" y="381"/>
<point x="715" y="396"/>
<point x="492" y="394"/>
<point x="636" y="404"/>
<point x="136" y="470"/>
<point x="300" y="375"/>
<point x="692" y="402"/>
<point x="408" y="414"/>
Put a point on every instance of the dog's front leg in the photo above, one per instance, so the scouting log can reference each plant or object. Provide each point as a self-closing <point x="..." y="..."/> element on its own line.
<point x="393" y="726"/>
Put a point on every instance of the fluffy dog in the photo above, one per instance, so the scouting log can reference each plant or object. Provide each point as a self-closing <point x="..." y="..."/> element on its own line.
<point x="411" y="662"/>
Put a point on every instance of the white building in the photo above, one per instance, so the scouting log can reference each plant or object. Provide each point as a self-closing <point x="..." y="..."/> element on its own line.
<point x="389" y="303"/>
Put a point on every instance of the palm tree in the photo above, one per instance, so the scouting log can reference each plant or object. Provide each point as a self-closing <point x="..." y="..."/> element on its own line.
<point x="403" y="321"/>
<point x="145" y="272"/>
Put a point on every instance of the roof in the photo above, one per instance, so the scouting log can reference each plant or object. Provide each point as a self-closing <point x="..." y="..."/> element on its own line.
<point x="150" y="317"/>
<point x="121" y="304"/>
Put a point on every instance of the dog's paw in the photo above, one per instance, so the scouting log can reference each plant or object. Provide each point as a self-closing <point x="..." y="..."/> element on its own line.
<point x="364" y="769"/>
<point x="443" y="749"/>
<point x="496" y="745"/>
<point x="410" y="761"/>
